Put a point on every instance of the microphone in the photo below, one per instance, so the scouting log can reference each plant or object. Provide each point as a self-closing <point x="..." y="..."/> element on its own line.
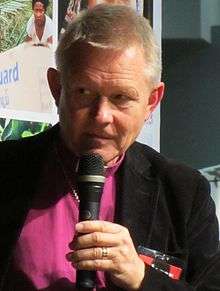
<point x="90" y="182"/>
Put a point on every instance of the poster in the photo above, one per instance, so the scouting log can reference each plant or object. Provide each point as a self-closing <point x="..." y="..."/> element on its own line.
<point x="25" y="98"/>
<point x="20" y="92"/>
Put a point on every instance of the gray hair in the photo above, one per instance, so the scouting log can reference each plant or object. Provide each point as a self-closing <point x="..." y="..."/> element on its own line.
<point x="114" y="27"/>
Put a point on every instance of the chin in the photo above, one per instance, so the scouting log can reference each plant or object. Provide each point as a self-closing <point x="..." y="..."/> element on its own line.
<point x="94" y="151"/>
<point x="100" y="152"/>
<point x="108" y="159"/>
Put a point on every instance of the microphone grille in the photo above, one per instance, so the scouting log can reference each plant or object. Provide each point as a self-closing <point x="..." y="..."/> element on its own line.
<point x="91" y="164"/>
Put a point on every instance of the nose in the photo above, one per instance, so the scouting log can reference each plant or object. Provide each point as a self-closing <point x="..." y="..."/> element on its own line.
<point x="38" y="14"/>
<point x="103" y="112"/>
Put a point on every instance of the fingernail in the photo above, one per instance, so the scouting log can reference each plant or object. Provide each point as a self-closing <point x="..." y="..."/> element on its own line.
<point x="79" y="227"/>
<point x="73" y="242"/>
<point x="71" y="245"/>
<point x="69" y="257"/>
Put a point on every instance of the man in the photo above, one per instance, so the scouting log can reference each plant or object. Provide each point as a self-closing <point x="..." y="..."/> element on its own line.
<point x="106" y="86"/>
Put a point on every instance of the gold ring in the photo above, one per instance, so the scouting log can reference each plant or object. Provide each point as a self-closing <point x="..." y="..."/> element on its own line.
<point x="105" y="252"/>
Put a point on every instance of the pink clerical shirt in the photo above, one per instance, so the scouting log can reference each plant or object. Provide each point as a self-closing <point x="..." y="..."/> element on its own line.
<point x="39" y="257"/>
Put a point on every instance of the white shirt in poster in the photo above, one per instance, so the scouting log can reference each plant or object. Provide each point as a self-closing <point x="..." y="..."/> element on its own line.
<point x="48" y="30"/>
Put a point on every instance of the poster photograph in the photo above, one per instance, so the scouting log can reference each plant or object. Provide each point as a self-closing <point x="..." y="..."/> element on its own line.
<point x="26" y="52"/>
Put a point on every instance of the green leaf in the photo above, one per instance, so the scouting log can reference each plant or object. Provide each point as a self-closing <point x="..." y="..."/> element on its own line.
<point x="26" y="133"/>
<point x="16" y="129"/>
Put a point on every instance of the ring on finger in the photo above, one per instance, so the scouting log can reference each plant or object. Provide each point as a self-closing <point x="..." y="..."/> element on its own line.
<point x="105" y="252"/>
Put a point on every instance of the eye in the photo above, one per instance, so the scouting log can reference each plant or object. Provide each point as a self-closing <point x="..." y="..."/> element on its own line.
<point x="121" y="99"/>
<point x="84" y="92"/>
<point x="84" y="96"/>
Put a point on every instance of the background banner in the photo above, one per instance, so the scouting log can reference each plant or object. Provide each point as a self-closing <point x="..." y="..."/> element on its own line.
<point x="26" y="105"/>
<point x="24" y="59"/>
<point x="23" y="81"/>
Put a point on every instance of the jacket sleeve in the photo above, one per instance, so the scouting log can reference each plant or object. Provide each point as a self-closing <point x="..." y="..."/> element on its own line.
<point x="203" y="267"/>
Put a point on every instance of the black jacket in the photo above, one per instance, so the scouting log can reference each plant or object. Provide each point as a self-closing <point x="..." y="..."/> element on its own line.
<point x="165" y="205"/>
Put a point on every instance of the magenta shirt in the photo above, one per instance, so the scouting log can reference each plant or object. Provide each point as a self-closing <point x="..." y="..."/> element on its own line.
<point x="40" y="251"/>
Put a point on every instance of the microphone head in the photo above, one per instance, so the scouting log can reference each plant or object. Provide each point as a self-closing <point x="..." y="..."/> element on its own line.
<point x="91" y="164"/>
<point x="90" y="182"/>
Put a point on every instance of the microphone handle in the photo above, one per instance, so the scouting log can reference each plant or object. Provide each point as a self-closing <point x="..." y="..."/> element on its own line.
<point x="86" y="280"/>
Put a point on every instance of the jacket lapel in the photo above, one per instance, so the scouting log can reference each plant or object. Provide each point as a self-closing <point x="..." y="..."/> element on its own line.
<point x="137" y="196"/>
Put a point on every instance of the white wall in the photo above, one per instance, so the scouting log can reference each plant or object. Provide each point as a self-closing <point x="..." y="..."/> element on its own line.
<point x="150" y="133"/>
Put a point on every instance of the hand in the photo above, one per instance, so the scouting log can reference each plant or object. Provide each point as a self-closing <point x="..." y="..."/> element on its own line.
<point x="107" y="246"/>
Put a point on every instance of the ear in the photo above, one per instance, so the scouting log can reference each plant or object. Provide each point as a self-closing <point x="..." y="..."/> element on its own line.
<point x="53" y="78"/>
<point x="155" y="97"/>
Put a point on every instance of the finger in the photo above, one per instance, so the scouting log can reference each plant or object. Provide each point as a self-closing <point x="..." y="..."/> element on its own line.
<point x="85" y="254"/>
<point x="73" y="242"/>
<point x="97" y="239"/>
<point x="97" y="265"/>
<point x="92" y="254"/>
<point x="99" y="226"/>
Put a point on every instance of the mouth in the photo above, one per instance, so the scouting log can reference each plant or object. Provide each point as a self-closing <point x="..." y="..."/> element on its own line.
<point x="98" y="141"/>
<point x="99" y="136"/>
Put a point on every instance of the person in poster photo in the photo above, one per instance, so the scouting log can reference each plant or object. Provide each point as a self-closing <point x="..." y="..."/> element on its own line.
<point x="40" y="26"/>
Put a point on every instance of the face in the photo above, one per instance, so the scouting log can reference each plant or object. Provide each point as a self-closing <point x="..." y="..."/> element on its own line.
<point x="105" y="102"/>
<point x="39" y="12"/>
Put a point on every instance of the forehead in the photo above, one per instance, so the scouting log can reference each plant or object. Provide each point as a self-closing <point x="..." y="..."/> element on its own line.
<point x="108" y="69"/>
<point x="85" y="57"/>
<point x="39" y="6"/>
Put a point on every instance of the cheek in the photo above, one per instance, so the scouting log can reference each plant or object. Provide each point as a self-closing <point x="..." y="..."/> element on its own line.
<point x="133" y="121"/>
<point x="128" y="127"/>
<point x="66" y="114"/>
<point x="76" y="120"/>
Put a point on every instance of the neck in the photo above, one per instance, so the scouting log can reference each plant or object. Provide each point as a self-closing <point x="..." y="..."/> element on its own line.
<point x="40" y="23"/>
